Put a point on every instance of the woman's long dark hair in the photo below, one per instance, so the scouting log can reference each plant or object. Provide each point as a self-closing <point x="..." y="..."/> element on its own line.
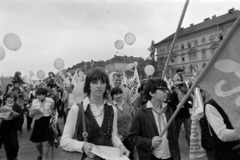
<point x="96" y="74"/>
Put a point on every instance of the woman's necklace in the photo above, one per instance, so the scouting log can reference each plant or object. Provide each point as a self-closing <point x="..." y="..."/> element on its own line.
<point x="99" y="114"/>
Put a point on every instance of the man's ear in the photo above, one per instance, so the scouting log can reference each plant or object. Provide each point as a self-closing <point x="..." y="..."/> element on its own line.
<point x="151" y="93"/>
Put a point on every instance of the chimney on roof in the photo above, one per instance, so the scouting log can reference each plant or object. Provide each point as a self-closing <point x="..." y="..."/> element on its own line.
<point x="214" y="16"/>
<point x="230" y="11"/>
<point x="206" y="19"/>
<point x="191" y="24"/>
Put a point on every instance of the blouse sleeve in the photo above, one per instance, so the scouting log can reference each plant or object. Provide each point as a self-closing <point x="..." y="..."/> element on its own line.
<point x="67" y="141"/>
<point x="216" y="121"/>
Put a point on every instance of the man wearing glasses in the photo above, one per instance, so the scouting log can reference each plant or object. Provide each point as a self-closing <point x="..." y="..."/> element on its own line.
<point x="150" y="121"/>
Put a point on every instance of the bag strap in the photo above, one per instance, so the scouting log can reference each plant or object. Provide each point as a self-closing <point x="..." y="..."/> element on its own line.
<point x="84" y="134"/>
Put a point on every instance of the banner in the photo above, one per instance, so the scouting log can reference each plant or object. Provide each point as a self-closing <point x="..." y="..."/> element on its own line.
<point x="221" y="77"/>
<point x="133" y="85"/>
<point x="195" y="149"/>
<point x="75" y="78"/>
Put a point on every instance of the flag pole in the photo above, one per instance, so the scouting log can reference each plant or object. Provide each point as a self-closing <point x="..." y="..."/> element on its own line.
<point x="204" y="72"/>
<point x="175" y="37"/>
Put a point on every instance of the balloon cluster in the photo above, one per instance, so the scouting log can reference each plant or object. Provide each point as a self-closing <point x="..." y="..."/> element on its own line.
<point x="129" y="39"/>
<point x="12" y="42"/>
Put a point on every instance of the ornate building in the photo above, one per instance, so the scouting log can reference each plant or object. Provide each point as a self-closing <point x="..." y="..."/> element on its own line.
<point x="195" y="44"/>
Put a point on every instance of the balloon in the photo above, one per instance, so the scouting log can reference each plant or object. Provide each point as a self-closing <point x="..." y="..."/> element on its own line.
<point x="2" y="53"/>
<point x="40" y="74"/>
<point x="59" y="63"/>
<point x="12" y="41"/>
<point x="119" y="44"/>
<point x="129" y="38"/>
<point x="78" y="94"/>
<point x="135" y="64"/>
<point x="31" y="74"/>
<point x="130" y="66"/>
<point x="149" y="69"/>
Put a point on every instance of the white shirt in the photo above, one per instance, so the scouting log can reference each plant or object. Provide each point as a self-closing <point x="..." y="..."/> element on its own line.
<point x="70" y="144"/>
<point x="162" y="151"/>
<point x="45" y="107"/>
<point x="216" y="121"/>
<point x="71" y="101"/>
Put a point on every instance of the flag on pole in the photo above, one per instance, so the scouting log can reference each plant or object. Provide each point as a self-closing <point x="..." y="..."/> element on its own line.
<point x="75" y="78"/>
<point x="168" y="84"/>
<point x="133" y="85"/>
<point x="195" y="149"/>
<point x="221" y="77"/>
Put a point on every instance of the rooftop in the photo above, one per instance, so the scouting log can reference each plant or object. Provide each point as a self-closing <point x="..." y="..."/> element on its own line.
<point x="207" y="23"/>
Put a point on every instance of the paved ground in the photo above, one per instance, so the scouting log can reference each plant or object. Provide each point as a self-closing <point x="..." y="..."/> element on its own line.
<point x="28" y="150"/>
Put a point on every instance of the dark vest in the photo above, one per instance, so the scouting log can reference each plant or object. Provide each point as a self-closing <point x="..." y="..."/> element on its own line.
<point x="222" y="149"/>
<point x="98" y="135"/>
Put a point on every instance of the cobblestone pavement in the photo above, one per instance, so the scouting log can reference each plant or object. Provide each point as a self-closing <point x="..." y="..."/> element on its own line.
<point x="28" y="150"/>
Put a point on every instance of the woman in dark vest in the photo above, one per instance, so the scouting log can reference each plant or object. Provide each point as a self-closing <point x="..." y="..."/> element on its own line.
<point x="9" y="126"/>
<point x="224" y="137"/>
<point x="100" y="117"/>
<point x="124" y="120"/>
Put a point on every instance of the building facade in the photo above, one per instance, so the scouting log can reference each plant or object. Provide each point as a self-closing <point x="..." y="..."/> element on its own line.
<point x="195" y="44"/>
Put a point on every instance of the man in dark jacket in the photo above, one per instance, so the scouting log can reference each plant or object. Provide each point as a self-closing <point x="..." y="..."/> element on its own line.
<point x="150" y="121"/>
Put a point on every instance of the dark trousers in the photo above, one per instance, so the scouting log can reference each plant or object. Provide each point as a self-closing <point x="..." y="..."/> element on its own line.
<point x="10" y="140"/>
<point x="29" y="121"/>
<point x="129" y="147"/>
<point x="186" y="121"/>
<point x="21" y="121"/>
<point x="155" y="158"/>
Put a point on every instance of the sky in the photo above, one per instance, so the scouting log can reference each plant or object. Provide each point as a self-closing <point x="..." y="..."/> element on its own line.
<point x="85" y="30"/>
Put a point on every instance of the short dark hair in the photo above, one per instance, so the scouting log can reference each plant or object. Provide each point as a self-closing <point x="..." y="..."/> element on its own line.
<point x="96" y="74"/>
<point x="42" y="91"/>
<point x="179" y="69"/>
<point x="115" y="90"/>
<point x="117" y="75"/>
<point x="51" y="74"/>
<point x="51" y="85"/>
<point x="12" y="95"/>
<point x="152" y="85"/>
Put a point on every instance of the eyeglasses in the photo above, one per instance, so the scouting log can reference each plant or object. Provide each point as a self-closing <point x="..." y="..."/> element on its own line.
<point x="164" y="89"/>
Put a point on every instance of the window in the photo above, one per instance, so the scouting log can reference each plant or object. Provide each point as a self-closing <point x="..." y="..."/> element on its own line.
<point x="190" y="68"/>
<point x="203" y="40"/>
<point x="183" y="57"/>
<point x="189" y="44"/>
<point x="176" y="47"/>
<point x="192" y="54"/>
<point x="203" y="65"/>
<point x="212" y="38"/>
<point x="196" y="42"/>
<point x="213" y="48"/>
<point x="220" y="36"/>
<point x="204" y="54"/>
<point x="182" y="46"/>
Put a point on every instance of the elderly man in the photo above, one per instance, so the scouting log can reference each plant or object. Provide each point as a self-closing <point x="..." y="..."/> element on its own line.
<point x="117" y="81"/>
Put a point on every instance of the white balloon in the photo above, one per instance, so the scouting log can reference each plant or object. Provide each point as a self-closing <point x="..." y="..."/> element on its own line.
<point x="12" y="41"/>
<point x="149" y="69"/>
<point x="2" y="53"/>
<point x="135" y="64"/>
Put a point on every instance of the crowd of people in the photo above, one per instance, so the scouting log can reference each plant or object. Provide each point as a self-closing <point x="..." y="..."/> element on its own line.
<point x="112" y="118"/>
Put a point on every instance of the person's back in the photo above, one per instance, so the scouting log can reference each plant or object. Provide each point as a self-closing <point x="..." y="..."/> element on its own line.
<point x="224" y="137"/>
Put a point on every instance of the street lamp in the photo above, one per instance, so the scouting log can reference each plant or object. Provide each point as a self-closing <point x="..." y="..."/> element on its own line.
<point x="123" y="59"/>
